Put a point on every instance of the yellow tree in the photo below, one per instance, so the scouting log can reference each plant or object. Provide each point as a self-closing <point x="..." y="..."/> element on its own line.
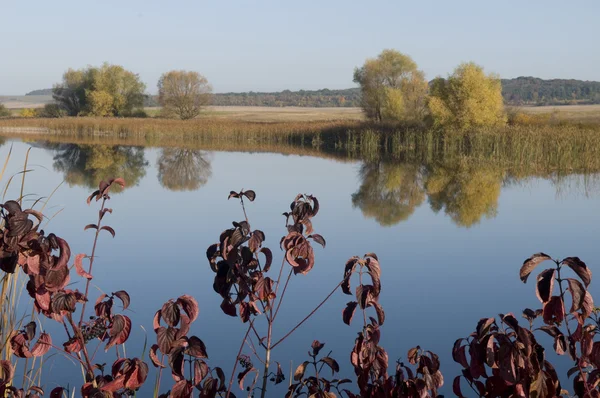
<point x="467" y="99"/>
<point x="392" y="88"/>
<point x="183" y="93"/>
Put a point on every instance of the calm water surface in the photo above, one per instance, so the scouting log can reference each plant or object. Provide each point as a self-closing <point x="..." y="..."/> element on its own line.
<point x="450" y="240"/>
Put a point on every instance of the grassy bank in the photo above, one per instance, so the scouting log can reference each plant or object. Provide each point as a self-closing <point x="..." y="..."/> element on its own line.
<point x="528" y="145"/>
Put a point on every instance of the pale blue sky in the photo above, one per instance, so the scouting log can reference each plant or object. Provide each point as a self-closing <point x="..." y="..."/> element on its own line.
<point x="266" y="45"/>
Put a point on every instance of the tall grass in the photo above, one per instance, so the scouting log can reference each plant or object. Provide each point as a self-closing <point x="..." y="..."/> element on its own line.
<point x="528" y="146"/>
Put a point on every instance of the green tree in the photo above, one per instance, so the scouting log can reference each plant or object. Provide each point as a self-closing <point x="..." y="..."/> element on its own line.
<point x="467" y="99"/>
<point x="389" y="192"/>
<point x="109" y="90"/>
<point x="4" y="112"/>
<point x="183" y="93"/>
<point x="70" y="94"/>
<point x="183" y="169"/>
<point x="392" y="88"/>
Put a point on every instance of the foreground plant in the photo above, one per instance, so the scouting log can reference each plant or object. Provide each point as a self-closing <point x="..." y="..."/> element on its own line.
<point x="24" y="246"/>
<point x="503" y="359"/>
<point x="241" y="265"/>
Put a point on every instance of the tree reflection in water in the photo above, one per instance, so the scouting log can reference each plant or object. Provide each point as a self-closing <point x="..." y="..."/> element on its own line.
<point x="390" y="192"/>
<point x="86" y="165"/>
<point x="183" y="169"/>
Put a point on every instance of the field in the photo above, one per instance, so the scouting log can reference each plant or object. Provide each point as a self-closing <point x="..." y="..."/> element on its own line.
<point x="572" y="113"/>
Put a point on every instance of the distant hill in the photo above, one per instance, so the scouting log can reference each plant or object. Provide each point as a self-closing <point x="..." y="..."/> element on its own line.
<point x="518" y="91"/>
<point x="46" y="91"/>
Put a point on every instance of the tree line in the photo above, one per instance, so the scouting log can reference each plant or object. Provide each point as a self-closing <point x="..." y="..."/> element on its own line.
<point x="518" y="91"/>
<point x="391" y="89"/>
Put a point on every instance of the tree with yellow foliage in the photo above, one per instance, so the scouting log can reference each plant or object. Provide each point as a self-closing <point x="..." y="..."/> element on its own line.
<point x="392" y="88"/>
<point x="467" y="99"/>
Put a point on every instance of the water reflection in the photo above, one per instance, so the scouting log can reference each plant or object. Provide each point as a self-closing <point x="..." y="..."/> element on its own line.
<point x="466" y="192"/>
<point x="85" y="165"/>
<point x="183" y="169"/>
<point x="464" y="188"/>
<point x="389" y="192"/>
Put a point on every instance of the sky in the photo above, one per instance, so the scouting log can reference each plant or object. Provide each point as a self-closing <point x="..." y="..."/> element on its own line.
<point x="272" y="45"/>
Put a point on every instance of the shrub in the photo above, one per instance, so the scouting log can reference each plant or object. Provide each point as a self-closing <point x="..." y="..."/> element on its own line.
<point x="4" y="112"/>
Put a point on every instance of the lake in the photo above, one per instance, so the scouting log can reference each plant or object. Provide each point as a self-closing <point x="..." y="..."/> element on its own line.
<point x="450" y="235"/>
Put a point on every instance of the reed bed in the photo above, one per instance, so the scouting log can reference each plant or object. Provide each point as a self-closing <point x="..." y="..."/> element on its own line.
<point x="562" y="147"/>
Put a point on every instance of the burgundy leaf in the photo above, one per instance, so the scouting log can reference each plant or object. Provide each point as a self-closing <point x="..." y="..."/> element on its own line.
<point x="109" y="229"/>
<point x="554" y="311"/>
<point x="331" y="363"/>
<point x="124" y="297"/>
<point x="119" y="330"/>
<point x="580" y="269"/>
<point x="182" y="389"/>
<point x="250" y="194"/>
<point x="93" y="226"/>
<point x="545" y="285"/>
<point x="577" y="293"/>
<point x="154" y="357"/>
<point x="348" y="312"/>
<point x="530" y="264"/>
<point x="190" y="306"/>
<point x="170" y="313"/>
<point x="196" y="348"/>
<point x="242" y="375"/>
<point x="42" y="346"/>
<point x="319" y="239"/>
<point x="8" y="371"/>
<point x="228" y="307"/>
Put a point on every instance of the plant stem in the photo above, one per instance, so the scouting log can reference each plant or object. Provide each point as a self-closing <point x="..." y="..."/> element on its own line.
<point x="562" y="298"/>
<point x="237" y="358"/>
<point x="92" y="257"/>
<point x="267" y="360"/>
<point x="282" y="294"/>
<point x="308" y="316"/>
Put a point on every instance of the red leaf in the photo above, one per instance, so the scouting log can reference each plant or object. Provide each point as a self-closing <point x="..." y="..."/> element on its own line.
<point x="124" y="297"/>
<point x="182" y="389"/>
<point x="200" y="371"/>
<point x="228" y="307"/>
<point x="109" y="229"/>
<point x="545" y="284"/>
<point x="554" y="311"/>
<point x="92" y="196"/>
<point x="170" y="313"/>
<point x="580" y="269"/>
<point x="577" y="293"/>
<point x="119" y="181"/>
<point x="79" y="267"/>
<point x="190" y="306"/>
<point x="8" y="371"/>
<point x="196" y="348"/>
<point x="242" y="375"/>
<point x="119" y="331"/>
<point x="42" y="346"/>
<point x="154" y="357"/>
<point x="456" y="387"/>
<point x="268" y="258"/>
<point x="530" y="264"/>
<point x="115" y="385"/>
<point x="94" y="226"/>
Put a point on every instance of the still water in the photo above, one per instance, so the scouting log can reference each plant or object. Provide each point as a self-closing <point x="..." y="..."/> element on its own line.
<point x="450" y="239"/>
